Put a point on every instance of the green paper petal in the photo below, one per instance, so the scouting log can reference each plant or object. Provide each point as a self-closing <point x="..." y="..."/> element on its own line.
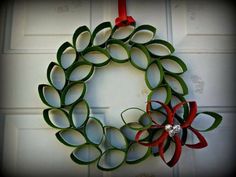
<point x="66" y="55"/>
<point x="173" y="64"/>
<point x="111" y="159"/>
<point x="161" y="93"/>
<point x="154" y="75"/>
<point x="176" y="83"/>
<point x="122" y="33"/>
<point x="49" y="96"/>
<point x="159" y="48"/>
<point x="130" y="133"/>
<point x="56" y="76"/>
<point x="71" y="137"/>
<point x="94" y="131"/>
<point x="80" y="71"/>
<point x="101" y="34"/>
<point x="217" y="120"/>
<point x="81" y="38"/>
<point x="137" y="153"/>
<point x="118" y="51"/>
<point x="96" y="56"/>
<point x="56" y="118"/>
<point x="73" y="93"/>
<point x="115" y="138"/>
<point x="86" y="154"/>
<point x="139" y="57"/>
<point x="142" y="34"/>
<point x="79" y="113"/>
<point x="131" y="118"/>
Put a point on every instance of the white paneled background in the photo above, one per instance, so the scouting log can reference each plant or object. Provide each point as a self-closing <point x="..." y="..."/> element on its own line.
<point x="203" y="33"/>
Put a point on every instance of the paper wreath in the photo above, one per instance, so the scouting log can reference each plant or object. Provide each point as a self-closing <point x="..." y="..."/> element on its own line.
<point x="142" y="134"/>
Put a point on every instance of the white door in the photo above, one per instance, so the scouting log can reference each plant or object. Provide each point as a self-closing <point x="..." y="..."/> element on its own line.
<point x="31" y="31"/>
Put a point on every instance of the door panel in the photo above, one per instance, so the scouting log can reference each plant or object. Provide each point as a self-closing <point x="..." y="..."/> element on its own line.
<point x="30" y="33"/>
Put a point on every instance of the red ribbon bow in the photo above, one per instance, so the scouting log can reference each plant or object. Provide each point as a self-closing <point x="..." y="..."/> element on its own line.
<point x="170" y="120"/>
<point x="123" y="19"/>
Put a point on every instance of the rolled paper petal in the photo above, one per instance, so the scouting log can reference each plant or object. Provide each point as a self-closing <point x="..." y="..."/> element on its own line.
<point x="156" y="142"/>
<point x="86" y="154"/>
<point x="142" y="34"/>
<point x="118" y="50"/>
<point x="122" y="33"/>
<point x="217" y="120"/>
<point x="170" y="117"/>
<point x="173" y="64"/>
<point x="81" y="38"/>
<point x="159" y="48"/>
<point x="202" y="141"/>
<point x="80" y="71"/>
<point x="131" y="116"/>
<point x="96" y="56"/>
<point x="101" y="34"/>
<point x="177" y="153"/>
<point x="56" y="76"/>
<point x="137" y="153"/>
<point x="154" y="75"/>
<point x="176" y="83"/>
<point x="111" y="159"/>
<point x="66" y="55"/>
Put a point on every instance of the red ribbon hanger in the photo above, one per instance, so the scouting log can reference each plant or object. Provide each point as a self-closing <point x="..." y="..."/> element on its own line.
<point x="123" y="19"/>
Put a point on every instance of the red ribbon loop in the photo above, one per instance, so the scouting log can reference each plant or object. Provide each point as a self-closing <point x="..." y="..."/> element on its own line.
<point x="123" y="19"/>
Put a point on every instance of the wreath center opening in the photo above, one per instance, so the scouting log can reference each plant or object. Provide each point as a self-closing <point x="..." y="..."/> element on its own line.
<point x="116" y="87"/>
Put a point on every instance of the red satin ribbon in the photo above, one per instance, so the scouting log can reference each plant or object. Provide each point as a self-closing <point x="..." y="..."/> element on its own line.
<point x="123" y="19"/>
<point x="170" y="120"/>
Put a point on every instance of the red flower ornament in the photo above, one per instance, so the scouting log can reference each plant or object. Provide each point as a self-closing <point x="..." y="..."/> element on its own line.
<point x="172" y="130"/>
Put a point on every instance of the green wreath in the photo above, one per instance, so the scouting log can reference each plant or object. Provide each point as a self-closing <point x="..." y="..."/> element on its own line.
<point x="70" y="112"/>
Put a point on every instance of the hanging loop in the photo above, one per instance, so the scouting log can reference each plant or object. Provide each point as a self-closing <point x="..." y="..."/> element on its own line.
<point x="123" y="19"/>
